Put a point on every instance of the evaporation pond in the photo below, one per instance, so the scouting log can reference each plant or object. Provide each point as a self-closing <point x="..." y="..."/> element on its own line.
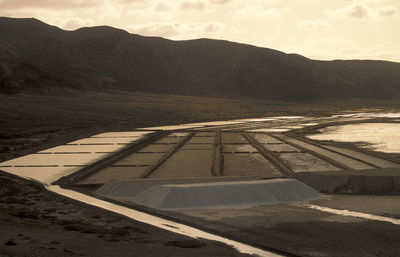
<point x="186" y="163"/>
<point x="140" y="159"/>
<point x="252" y="164"/>
<point x="156" y="148"/>
<point x="281" y="148"/>
<point x="238" y="148"/>
<point x="54" y="160"/>
<point x="233" y="138"/>
<point x="105" y="140"/>
<point x="111" y="173"/>
<point x="201" y="140"/>
<point x="83" y="149"/>
<point x="384" y="137"/>
<point x="266" y="139"/>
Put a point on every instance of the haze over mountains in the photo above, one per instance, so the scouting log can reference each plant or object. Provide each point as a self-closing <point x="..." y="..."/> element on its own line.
<point x="37" y="58"/>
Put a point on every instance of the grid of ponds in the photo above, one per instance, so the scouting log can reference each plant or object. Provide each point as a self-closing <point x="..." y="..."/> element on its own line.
<point x="199" y="150"/>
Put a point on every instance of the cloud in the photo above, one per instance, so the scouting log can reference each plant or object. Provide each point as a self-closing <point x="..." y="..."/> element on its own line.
<point x="193" y="5"/>
<point x="162" y="7"/>
<point x="75" y="23"/>
<point x="387" y="11"/>
<point x="201" y="4"/>
<point x="359" y="10"/>
<point x="168" y="29"/>
<point x="176" y="30"/>
<point x="314" y="25"/>
<point x="220" y="1"/>
<point x="260" y="12"/>
<point x="213" y="27"/>
<point x="355" y="10"/>
<point x="335" y="47"/>
<point x="48" y="4"/>
<point x="129" y="1"/>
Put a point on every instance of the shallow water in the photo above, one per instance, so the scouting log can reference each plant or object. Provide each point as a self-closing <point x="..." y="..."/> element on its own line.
<point x="352" y="214"/>
<point x="193" y="125"/>
<point x="269" y="130"/>
<point x="384" y="137"/>
<point x="51" y="164"/>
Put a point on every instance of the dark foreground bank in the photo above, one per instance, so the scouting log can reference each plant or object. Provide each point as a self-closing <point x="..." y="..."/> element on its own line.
<point x="35" y="222"/>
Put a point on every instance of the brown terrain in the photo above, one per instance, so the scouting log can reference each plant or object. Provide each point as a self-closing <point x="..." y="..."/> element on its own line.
<point x="101" y="79"/>
<point x="37" y="222"/>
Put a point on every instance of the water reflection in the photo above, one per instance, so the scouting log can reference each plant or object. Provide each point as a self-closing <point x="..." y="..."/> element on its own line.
<point x="384" y="137"/>
<point x="352" y="214"/>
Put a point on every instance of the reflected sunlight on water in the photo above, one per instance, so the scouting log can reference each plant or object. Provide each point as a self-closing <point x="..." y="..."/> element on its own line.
<point x="384" y="137"/>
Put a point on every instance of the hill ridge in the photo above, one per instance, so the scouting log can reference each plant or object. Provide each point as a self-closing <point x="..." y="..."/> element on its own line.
<point x="103" y="57"/>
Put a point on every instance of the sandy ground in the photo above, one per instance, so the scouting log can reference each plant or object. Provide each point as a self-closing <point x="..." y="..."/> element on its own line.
<point x="306" y="232"/>
<point x="35" y="222"/>
<point x="378" y="181"/>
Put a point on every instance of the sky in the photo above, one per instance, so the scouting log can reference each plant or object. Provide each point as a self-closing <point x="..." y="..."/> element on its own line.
<point x="318" y="29"/>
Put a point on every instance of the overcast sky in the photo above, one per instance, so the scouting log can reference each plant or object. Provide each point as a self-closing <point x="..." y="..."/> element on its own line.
<point x="319" y="29"/>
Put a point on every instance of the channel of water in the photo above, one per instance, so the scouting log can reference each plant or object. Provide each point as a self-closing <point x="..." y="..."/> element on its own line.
<point x="352" y="214"/>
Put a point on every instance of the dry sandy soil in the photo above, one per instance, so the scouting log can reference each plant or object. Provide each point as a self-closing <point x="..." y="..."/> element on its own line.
<point x="34" y="222"/>
<point x="306" y="232"/>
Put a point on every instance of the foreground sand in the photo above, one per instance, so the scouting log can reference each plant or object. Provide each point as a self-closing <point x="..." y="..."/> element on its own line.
<point x="301" y="231"/>
<point x="35" y="222"/>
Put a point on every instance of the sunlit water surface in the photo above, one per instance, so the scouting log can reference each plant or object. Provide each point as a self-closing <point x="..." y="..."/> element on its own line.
<point x="383" y="137"/>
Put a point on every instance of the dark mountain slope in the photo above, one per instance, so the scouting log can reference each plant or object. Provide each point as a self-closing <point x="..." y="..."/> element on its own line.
<point x="107" y="58"/>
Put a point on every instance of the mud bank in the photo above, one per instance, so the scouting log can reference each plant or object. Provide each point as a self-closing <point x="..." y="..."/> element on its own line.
<point x="36" y="222"/>
<point x="302" y="231"/>
<point x="378" y="181"/>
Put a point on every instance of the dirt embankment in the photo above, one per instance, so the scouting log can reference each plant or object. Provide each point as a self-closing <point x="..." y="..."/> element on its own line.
<point x="379" y="181"/>
<point x="35" y="222"/>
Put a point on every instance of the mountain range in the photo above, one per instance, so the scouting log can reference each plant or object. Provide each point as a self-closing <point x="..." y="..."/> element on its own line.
<point x="39" y="58"/>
